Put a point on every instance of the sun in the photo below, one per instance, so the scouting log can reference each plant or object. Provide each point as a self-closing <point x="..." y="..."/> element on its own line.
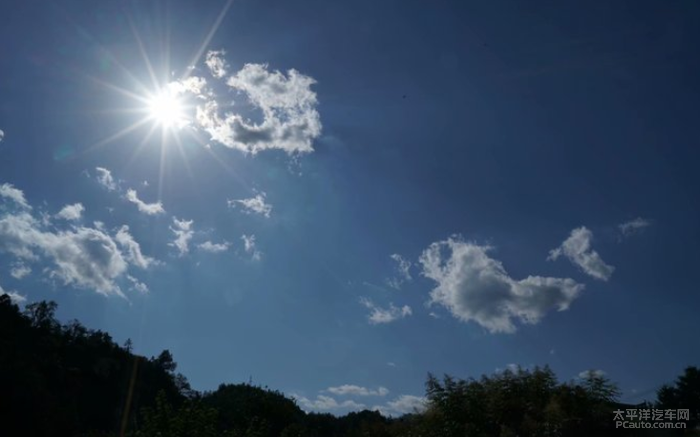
<point x="167" y="109"/>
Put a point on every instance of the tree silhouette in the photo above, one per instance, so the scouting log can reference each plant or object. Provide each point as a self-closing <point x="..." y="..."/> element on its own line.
<point x="68" y="380"/>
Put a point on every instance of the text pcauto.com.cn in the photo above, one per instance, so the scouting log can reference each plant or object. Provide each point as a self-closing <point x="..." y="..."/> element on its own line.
<point x="651" y="418"/>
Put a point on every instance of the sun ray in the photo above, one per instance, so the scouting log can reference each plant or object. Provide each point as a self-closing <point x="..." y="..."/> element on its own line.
<point x="207" y="39"/>
<point x="144" y="55"/>
<point x="132" y="127"/>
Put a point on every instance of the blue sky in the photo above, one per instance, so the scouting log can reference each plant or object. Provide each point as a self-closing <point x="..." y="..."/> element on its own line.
<point x="334" y="198"/>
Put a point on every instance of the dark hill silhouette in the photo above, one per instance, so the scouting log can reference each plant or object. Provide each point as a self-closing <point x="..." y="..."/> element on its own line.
<point x="67" y="380"/>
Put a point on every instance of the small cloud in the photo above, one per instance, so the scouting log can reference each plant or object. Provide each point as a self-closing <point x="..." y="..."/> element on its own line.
<point x="216" y="63"/>
<point x="8" y="191"/>
<point x="104" y="178"/>
<point x="592" y="373"/>
<point x="71" y="212"/>
<point x="14" y="296"/>
<point x="391" y="364"/>
<point x="356" y="390"/>
<point x="513" y="368"/>
<point x="577" y="249"/>
<point x="2" y="135"/>
<point x="183" y="234"/>
<point x="146" y="208"/>
<point x="380" y="315"/>
<point x="327" y="403"/>
<point x="255" y="205"/>
<point x="20" y="270"/>
<point x="633" y="226"/>
<point x="403" y="269"/>
<point x="250" y="247"/>
<point x="404" y="404"/>
<point x="136" y="285"/>
<point x="208" y="246"/>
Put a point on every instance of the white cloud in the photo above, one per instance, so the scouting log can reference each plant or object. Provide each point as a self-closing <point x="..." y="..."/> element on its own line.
<point x="326" y="403"/>
<point x="208" y="246"/>
<point x="250" y="247"/>
<point x="146" y="208"/>
<point x="14" y="296"/>
<point x="183" y="234"/>
<point x="290" y="121"/>
<point x="20" y="270"/>
<point x="132" y="249"/>
<point x="475" y="287"/>
<point x="577" y="248"/>
<point x="71" y="212"/>
<point x="380" y="315"/>
<point x="80" y="256"/>
<point x="592" y="373"/>
<point x="216" y="63"/>
<point x="2" y="135"/>
<point x="403" y="269"/>
<point x="83" y="257"/>
<point x="633" y="226"/>
<point x="8" y="191"/>
<point x="514" y="368"/>
<point x="136" y="285"/>
<point x="255" y="205"/>
<point x="356" y="390"/>
<point x="403" y="404"/>
<point x="104" y="177"/>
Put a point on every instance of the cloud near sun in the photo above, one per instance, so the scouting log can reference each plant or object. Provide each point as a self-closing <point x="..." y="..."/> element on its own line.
<point x="290" y="121"/>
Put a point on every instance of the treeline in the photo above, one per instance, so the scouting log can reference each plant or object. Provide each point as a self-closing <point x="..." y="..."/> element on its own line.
<point x="67" y="380"/>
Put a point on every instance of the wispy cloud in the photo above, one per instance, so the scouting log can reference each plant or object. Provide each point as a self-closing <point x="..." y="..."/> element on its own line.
<point x="8" y="191"/>
<point x="216" y="63"/>
<point x="71" y="212"/>
<point x="403" y="270"/>
<point x="256" y="205"/>
<point x="146" y="208"/>
<point x="250" y="247"/>
<point x="356" y="390"/>
<point x="132" y="249"/>
<point x="591" y="373"/>
<point x="475" y="287"/>
<point x="183" y="234"/>
<point x="379" y="315"/>
<point x="104" y="178"/>
<point x="20" y="270"/>
<point x="633" y="226"/>
<point x="136" y="285"/>
<point x="404" y="404"/>
<point x="327" y="403"/>
<point x="577" y="249"/>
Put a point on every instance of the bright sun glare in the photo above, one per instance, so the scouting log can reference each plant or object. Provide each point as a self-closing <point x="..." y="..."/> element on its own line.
<point x="167" y="109"/>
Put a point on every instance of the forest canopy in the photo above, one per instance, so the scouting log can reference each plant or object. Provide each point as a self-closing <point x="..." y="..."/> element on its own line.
<point x="67" y="380"/>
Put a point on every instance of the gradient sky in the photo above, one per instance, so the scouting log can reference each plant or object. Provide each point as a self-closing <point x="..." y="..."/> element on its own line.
<point x="356" y="193"/>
